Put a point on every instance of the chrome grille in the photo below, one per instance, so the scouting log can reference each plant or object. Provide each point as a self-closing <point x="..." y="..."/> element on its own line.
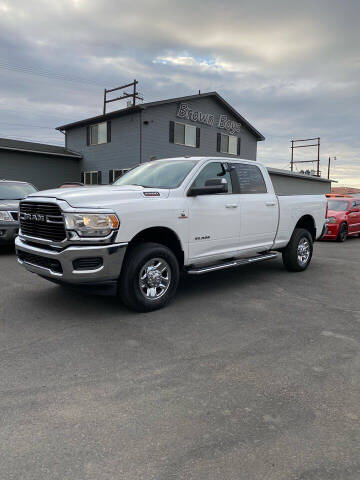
<point x="42" y="220"/>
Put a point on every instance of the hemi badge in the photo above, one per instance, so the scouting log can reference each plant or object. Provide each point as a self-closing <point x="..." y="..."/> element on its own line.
<point x="151" y="194"/>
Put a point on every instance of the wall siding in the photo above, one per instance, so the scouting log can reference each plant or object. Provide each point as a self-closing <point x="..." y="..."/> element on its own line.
<point x="43" y="171"/>
<point x="124" y="149"/>
<point x="285" y="185"/>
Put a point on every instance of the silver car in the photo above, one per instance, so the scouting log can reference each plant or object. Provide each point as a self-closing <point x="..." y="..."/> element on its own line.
<point x="11" y="192"/>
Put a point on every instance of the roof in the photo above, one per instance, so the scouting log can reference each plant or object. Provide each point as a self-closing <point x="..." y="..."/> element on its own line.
<point x="345" y="190"/>
<point x="144" y="106"/>
<point x="287" y="173"/>
<point x="40" y="148"/>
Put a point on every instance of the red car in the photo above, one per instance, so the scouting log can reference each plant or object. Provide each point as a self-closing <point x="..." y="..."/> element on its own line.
<point x="343" y="218"/>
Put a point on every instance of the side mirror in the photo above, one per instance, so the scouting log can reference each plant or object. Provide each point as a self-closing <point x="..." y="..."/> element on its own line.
<point x="212" y="186"/>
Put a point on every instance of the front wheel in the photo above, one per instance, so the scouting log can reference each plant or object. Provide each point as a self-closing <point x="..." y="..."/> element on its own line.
<point x="149" y="278"/>
<point x="343" y="233"/>
<point x="298" y="252"/>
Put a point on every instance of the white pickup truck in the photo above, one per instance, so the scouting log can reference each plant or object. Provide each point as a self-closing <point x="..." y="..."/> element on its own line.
<point x="192" y="214"/>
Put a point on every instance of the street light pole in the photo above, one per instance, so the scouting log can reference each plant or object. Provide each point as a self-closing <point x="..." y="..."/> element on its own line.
<point x="334" y="158"/>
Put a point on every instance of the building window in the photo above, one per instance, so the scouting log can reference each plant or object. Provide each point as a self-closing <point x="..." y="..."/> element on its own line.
<point x="115" y="174"/>
<point x="98" y="134"/>
<point x="228" y="144"/>
<point x="91" y="178"/>
<point x="183" y="134"/>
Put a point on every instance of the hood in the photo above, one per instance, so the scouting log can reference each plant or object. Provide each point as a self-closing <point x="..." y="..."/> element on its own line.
<point x="336" y="214"/>
<point x="99" y="197"/>
<point x="9" y="205"/>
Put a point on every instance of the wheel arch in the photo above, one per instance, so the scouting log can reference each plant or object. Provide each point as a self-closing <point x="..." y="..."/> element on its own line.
<point x="162" y="235"/>
<point x="308" y="223"/>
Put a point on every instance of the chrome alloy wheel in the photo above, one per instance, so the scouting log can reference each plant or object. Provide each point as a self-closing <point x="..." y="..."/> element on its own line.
<point x="303" y="251"/>
<point x="154" y="278"/>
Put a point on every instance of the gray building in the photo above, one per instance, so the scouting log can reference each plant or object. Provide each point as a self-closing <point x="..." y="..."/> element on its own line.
<point x="195" y="125"/>
<point x="44" y="166"/>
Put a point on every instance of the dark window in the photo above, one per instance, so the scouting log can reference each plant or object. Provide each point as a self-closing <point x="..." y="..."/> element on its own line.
<point x="228" y="144"/>
<point x="91" y="178"/>
<point x="115" y="174"/>
<point x="250" y="178"/>
<point x="185" y="134"/>
<point x="213" y="170"/>
<point x="99" y="133"/>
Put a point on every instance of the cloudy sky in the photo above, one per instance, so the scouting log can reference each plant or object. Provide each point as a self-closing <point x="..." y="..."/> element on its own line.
<point x="291" y="68"/>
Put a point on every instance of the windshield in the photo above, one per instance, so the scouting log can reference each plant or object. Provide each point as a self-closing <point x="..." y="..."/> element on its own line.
<point x="338" y="205"/>
<point x="15" y="191"/>
<point x="169" y="174"/>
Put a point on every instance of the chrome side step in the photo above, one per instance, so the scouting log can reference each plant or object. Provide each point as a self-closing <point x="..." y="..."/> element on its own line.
<point x="233" y="263"/>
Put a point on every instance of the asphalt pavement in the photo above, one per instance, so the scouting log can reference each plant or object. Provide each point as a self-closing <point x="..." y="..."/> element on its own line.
<point x="251" y="373"/>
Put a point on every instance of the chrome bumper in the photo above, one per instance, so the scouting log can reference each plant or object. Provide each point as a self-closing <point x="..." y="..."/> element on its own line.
<point x="112" y="256"/>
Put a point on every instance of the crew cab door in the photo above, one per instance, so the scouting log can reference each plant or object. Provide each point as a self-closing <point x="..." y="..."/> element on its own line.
<point x="354" y="217"/>
<point x="214" y="219"/>
<point x="258" y="206"/>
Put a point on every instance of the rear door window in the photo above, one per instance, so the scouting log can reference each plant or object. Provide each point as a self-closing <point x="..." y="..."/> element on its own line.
<point x="250" y="178"/>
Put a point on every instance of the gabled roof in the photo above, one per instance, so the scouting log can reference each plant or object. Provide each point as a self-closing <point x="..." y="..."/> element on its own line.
<point x="40" y="148"/>
<point x="143" y="106"/>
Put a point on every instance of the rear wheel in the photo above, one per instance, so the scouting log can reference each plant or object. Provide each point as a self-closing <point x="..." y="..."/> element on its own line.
<point x="343" y="233"/>
<point x="297" y="254"/>
<point x="149" y="278"/>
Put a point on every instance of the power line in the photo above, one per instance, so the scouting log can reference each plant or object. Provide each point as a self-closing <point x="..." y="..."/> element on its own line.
<point x="46" y="73"/>
<point x="25" y="125"/>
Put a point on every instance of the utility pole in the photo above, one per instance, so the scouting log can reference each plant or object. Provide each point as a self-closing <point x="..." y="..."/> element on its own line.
<point x="134" y="95"/>
<point x="317" y="144"/>
<point x="334" y="158"/>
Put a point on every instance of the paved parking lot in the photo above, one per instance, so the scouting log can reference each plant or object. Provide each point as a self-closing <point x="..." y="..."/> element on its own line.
<point x="251" y="373"/>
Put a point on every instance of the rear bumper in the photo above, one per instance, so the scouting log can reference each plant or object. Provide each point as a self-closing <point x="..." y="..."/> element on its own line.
<point x="8" y="232"/>
<point x="65" y="266"/>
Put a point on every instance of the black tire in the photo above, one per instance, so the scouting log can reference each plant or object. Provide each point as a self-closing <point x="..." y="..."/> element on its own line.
<point x="291" y="255"/>
<point x="343" y="233"/>
<point x="130" y="291"/>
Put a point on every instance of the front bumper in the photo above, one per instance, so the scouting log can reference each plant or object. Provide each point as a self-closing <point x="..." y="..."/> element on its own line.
<point x="332" y="231"/>
<point x="61" y="265"/>
<point x="8" y="232"/>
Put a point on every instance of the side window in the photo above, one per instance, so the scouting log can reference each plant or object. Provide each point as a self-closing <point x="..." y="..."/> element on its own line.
<point x="213" y="170"/>
<point x="250" y="178"/>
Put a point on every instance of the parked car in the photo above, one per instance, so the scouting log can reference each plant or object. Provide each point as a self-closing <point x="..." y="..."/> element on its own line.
<point x="343" y="218"/>
<point x="11" y="192"/>
<point x="71" y="185"/>
<point x="193" y="214"/>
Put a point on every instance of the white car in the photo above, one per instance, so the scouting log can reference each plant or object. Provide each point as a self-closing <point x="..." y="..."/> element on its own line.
<point x="195" y="214"/>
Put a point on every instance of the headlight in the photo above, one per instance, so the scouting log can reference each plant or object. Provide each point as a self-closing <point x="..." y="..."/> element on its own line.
<point x="5" y="216"/>
<point x="91" y="224"/>
<point x="332" y="220"/>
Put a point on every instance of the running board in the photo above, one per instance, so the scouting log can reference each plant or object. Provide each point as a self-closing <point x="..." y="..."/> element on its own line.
<point x="233" y="263"/>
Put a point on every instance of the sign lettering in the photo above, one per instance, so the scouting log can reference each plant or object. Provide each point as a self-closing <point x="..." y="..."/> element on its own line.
<point x="187" y="113"/>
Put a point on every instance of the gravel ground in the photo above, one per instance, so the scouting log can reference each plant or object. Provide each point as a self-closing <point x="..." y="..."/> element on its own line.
<point x="251" y="373"/>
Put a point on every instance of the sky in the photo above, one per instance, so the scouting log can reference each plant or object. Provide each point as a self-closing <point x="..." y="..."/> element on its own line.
<point x="290" y="68"/>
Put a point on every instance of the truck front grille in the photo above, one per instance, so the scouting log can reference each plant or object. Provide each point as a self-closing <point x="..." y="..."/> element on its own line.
<point x="42" y="220"/>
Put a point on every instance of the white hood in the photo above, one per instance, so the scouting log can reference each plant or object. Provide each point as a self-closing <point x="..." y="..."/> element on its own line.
<point x="99" y="196"/>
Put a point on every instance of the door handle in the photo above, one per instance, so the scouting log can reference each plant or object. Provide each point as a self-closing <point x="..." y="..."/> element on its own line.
<point x="270" y="204"/>
<point x="231" y="205"/>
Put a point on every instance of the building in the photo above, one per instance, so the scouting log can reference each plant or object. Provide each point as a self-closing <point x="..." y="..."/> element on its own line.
<point x="196" y="125"/>
<point x="292" y="183"/>
<point x="44" y="166"/>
